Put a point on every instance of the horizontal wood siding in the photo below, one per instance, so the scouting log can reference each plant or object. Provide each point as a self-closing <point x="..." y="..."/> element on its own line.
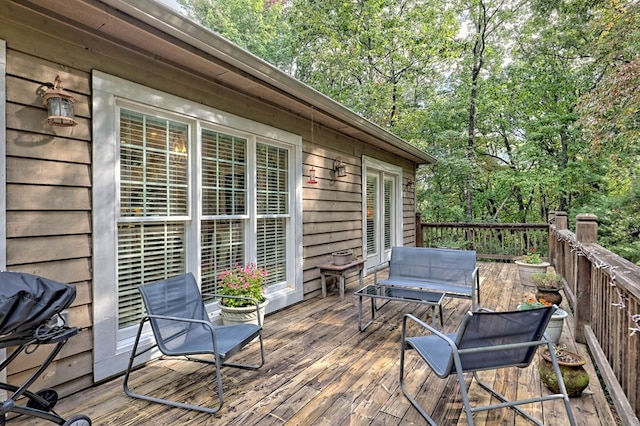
<point x="49" y="208"/>
<point x="332" y="208"/>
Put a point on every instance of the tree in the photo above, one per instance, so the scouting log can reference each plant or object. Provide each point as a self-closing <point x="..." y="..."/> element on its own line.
<point x="375" y="56"/>
<point x="255" y="25"/>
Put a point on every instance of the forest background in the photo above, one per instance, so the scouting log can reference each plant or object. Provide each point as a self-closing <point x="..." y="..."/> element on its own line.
<point x="530" y="106"/>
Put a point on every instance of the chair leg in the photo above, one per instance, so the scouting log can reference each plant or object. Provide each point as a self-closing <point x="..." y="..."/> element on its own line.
<point x="416" y="405"/>
<point x="250" y="366"/>
<point x="130" y="393"/>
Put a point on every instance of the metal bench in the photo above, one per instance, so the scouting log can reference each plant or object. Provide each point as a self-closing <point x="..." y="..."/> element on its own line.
<point x="449" y="271"/>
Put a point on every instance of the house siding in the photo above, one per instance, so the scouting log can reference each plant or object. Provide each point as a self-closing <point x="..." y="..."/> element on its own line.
<point x="49" y="188"/>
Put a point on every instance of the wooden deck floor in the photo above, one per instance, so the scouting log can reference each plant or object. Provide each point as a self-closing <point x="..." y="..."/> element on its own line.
<point x="321" y="370"/>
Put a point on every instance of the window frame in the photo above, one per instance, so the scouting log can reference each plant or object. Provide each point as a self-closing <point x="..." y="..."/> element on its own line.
<point x="111" y="346"/>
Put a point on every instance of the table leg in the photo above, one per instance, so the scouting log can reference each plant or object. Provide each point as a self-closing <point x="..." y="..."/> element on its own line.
<point x="341" y="278"/>
<point x="324" y="285"/>
<point x="362" y="327"/>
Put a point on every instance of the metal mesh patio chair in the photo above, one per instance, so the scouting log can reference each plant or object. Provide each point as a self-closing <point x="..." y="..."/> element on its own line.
<point x="181" y="327"/>
<point x="485" y="340"/>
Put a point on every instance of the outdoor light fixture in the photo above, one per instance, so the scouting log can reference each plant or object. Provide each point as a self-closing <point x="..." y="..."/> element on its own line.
<point x="339" y="167"/>
<point x="312" y="175"/>
<point x="59" y="105"/>
<point x="411" y="183"/>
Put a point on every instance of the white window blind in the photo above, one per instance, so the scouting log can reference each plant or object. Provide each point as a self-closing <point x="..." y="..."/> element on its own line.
<point x="372" y="209"/>
<point x="224" y="205"/>
<point x="153" y="194"/>
<point x="388" y="212"/>
<point x="272" y="167"/>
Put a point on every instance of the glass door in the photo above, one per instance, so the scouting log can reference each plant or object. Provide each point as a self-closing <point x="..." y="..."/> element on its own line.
<point x="383" y="214"/>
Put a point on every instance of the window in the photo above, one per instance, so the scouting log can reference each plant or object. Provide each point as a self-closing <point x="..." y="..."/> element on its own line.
<point x="153" y="206"/>
<point x="184" y="188"/>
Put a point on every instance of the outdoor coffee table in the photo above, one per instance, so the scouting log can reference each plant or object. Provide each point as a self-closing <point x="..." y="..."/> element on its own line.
<point x="388" y="293"/>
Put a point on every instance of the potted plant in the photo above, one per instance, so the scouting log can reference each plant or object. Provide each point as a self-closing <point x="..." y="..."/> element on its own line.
<point x="529" y="264"/>
<point x="574" y="376"/>
<point x="549" y="285"/>
<point x="246" y="282"/>
<point x="554" y="328"/>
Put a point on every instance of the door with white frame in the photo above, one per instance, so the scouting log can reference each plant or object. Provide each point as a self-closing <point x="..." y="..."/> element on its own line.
<point x="382" y="212"/>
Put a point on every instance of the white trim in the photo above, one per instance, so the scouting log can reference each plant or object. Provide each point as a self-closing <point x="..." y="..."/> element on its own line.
<point x="111" y="346"/>
<point x="3" y="182"/>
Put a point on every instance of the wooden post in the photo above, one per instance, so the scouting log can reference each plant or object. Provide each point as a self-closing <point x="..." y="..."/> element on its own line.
<point x="418" y="231"/>
<point x="561" y="225"/>
<point x="551" y="239"/>
<point x="587" y="233"/>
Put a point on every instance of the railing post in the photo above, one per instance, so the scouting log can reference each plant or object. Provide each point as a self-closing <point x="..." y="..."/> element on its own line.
<point x="551" y="241"/>
<point x="561" y="225"/>
<point x="418" y="231"/>
<point x="587" y="233"/>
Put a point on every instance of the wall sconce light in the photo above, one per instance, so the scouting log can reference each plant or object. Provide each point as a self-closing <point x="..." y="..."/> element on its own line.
<point x="411" y="184"/>
<point x="312" y="175"/>
<point x="340" y="168"/>
<point x="59" y="105"/>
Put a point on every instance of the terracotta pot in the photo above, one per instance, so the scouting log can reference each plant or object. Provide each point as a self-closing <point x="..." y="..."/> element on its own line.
<point x="574" y="376"/>
<point x="552" y="296"/>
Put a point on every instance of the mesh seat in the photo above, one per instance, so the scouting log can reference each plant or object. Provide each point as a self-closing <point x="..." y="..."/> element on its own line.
<point x="181" y="327"/>
<point x="485" y="340"/>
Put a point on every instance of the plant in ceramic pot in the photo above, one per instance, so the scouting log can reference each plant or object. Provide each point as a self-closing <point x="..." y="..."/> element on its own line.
<point x="246" y="284"/>
<point x="549" y="285"/>
<point x="529" y="264"/>
<point x="574" y="376"/>
<point x="556" y="323"/>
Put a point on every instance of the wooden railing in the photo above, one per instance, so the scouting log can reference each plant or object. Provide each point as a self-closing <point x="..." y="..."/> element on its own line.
<point x="602" y="288"/>
<point x="491" y="241"/>
<point x="604" y="292"/>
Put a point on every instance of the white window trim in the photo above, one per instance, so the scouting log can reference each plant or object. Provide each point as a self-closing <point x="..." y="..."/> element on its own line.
<point x="110" y="354"/>
<point x="3" y="181"/>
<point x="390" y="169"/>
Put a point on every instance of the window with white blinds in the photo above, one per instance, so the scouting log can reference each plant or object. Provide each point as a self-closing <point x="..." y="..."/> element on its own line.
<point x="371" y="214"/>
<point x="388" y="212"/>
<point x="153" y="196"/>
<point x="272" y="205"/>
<point x="224" y="205"/>
<point x="154" y="210"/>
<point x="183" y="187"/>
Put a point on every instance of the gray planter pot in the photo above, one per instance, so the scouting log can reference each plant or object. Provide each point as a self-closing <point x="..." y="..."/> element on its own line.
<point x="526" y="270"/>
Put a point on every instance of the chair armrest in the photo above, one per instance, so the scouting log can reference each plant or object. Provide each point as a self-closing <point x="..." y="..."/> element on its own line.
<point x="432" y="330"/>
<point x="205" y="323"/>
<point x="475" y="277"/>
<point x="378" y="267"/>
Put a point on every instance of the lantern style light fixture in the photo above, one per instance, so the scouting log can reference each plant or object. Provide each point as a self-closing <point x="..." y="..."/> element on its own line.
<point x="59" y="105"/>
<point x="411" y="184"/>
<point x="312" y="175"/>
<point x="339" y="167"/>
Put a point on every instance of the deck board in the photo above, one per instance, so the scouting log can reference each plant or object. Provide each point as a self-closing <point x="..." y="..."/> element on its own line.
<point x="320" y="370"/>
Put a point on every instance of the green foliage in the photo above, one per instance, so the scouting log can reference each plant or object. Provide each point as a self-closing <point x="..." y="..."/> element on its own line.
<point x="529" y="107"/>
<point x="255" y="25"/>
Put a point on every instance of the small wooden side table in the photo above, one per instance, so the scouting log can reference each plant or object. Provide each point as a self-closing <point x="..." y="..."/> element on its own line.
<point x="341" y="272"/>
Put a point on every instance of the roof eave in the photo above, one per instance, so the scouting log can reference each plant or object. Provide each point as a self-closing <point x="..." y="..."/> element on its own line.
<point x="171" y="22"/>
